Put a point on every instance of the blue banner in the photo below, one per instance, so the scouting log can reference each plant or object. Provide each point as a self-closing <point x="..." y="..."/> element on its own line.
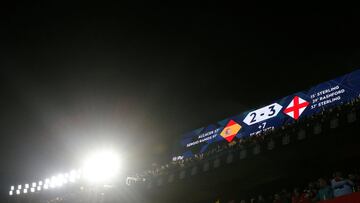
<point x="288" y="109"/>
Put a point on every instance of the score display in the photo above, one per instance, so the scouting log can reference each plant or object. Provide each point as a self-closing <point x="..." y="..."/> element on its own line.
<point x="262" y="114"/>
<point x="280" y="112"/>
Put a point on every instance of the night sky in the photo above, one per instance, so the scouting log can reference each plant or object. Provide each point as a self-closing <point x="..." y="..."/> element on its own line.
<point x="77" y="77"/>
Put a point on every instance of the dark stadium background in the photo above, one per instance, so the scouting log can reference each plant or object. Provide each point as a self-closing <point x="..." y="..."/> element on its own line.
<point x="76" y="76"/>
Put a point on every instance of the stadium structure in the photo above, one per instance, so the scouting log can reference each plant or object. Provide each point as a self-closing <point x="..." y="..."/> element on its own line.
<point x="283" y="145"/>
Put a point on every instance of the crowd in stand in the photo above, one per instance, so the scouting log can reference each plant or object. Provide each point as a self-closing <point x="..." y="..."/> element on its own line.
<point x="250" y="142"/>
<point x="315" y="191"/>
<point x="324" y="188"/>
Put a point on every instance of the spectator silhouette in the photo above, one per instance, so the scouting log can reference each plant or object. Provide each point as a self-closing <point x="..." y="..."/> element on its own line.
<point x="325" y="192"/>
<point x="308" y="194"/>
<point x="285" y="196"/>
<point x="340" y="185"/>
<point x="295" y="198"/>
<point x="277" y="199"/>
<point x="261" y="199"/>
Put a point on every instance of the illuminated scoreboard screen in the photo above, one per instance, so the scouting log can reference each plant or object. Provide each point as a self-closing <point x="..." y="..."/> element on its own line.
<point x="272" y="116"/>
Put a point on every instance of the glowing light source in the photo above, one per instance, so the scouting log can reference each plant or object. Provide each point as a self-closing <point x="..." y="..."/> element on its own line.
<point x="66" y="178"/>
<point x="53" y="182"/>
<point x="101" y="166"/>
<point x="59" y="180"/>
<point x="72" y="176"/>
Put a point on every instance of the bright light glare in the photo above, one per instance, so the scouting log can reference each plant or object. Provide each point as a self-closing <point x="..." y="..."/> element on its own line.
<point x="59" y="180"/>
<point x="66" y="178"/>
<point x="11" y="193"/>
<point x="53" y="182"/>
<point x="101" y="167"/>
<point x="12" y="187"/>
<point x="72" y="176"/>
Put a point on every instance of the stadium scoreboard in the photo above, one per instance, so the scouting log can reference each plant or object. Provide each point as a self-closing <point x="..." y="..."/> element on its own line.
<point x="280" y="112"/>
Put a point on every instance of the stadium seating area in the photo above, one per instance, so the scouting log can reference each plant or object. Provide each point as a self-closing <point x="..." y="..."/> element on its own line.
<point x="325" y="188"/>
<point x="213" y="173"/>
<point x="226" y="154"/>
<point x="268" y="140"/>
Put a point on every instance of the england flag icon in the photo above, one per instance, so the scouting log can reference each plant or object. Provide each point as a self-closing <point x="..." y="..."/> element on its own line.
<point x="296" y="107"/>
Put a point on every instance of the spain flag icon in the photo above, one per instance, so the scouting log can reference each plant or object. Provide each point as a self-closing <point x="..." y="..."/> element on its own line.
<point x="230" y="130"/>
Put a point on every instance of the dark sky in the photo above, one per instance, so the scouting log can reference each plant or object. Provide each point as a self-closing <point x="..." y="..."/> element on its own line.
<point x="77" y="77"/>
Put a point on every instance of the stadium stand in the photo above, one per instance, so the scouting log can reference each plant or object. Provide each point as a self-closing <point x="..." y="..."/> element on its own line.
<point x="291" y="164"/>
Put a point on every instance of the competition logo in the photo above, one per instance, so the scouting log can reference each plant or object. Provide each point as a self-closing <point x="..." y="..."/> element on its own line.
<point x="296" y="107"/>
<point x="230" y="130"/>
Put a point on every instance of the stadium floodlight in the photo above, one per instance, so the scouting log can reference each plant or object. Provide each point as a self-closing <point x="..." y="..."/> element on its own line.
<point x="46" y="186"/>
<point x="59" y="180"/>
<point x="101" y="166"/>
<point x="19" y="187"/>
<point x="72" y="176"/>
<point x="38" y="188"/>
<point x="18" y="192"/>
<point x="47" y="181"/>
<point x="26" y="186"/>
<point x="40" y="183"/>
<point x="66" y="178"/>
<point x="25" y="190"/>
<point x="12" y="188"/>
<point x="79" y="173"/>
<point x="56" y="181"/>
<point x="32" y="189"/>
<point x="33" y="184"/>
<point x="53" y="182"/>
<point x="11" y="193"/>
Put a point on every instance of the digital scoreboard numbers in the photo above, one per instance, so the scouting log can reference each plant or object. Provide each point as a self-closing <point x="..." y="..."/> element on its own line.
<point x="262" y="114"/>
